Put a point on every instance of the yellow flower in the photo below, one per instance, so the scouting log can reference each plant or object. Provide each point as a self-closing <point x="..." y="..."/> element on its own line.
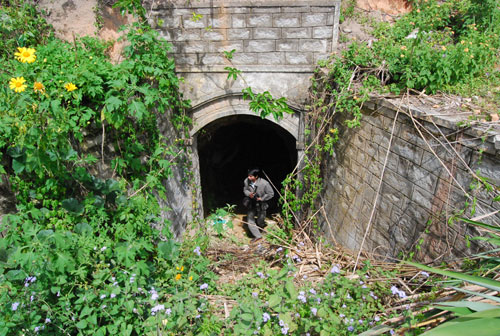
<point x="466" y="49"/>
<point x="191" y="278"/>
<point x="403" y="48"/>
<point x="70" y="87"/>
<point x="25" y="55"/>
<point x="443" y="47"/>
<point x="182" y="268"/>
<point x="402" y="55"/>
<point x="17" y="84"/>
<point x="177" y="277"/>
<point x="38" y="87"/>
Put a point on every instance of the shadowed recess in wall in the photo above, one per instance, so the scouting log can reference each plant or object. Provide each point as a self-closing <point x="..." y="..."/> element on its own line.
<point x="229" y="146"/>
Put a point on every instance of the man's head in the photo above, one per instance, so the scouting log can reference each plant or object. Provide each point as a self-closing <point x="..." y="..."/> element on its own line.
<point x="253" y="174"/>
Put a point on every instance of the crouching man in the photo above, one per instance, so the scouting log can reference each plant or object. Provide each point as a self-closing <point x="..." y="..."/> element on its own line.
<point x="257" y="192"/>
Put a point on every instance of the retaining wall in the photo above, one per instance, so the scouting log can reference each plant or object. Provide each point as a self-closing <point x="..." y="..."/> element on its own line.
<point x="424" y="183"/>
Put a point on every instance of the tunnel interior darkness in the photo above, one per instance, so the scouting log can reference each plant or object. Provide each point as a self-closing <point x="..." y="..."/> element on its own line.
<point x="229" y="146"/>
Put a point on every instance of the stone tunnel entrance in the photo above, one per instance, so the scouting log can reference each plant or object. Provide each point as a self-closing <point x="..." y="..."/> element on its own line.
<point x="228" y="146"/>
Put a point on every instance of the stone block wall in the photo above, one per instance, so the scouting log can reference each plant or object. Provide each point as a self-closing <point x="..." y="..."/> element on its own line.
<point x="277" y="44"/>
<point x="276" y="36"/>
<point x="424" y="183"/>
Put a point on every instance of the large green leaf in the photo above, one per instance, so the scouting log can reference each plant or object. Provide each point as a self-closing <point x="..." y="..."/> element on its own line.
<point x="44" y="234"/>
<point x="246" y="317"/>
<point x="17" y="166"/>
<point x="459" y="311"/>
<point x="16" y="275"/>
<point x="81" y="324"/>
<point x="72" y="205"/>
<point x="290" y="289"/>
<point x="489" y="313"/>
<point x="481" y="281"/>
<point x="274" y="300"/>
<point x="463" y="308"/>
<point x="474" y="306"/>
<point x="479" y="326"/>
<point x="113" y="103"/>
<point x="168" y="249"/>
<point x="83" y="228"/>
<point x="137" y="109"/>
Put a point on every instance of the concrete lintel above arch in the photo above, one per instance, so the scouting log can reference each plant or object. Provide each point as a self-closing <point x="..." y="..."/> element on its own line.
<point x="229" y="105"/>
<point x="202" y="87"/>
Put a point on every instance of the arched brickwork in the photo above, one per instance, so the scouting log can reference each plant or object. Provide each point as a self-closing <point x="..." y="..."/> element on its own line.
<point x="229" y="105"/>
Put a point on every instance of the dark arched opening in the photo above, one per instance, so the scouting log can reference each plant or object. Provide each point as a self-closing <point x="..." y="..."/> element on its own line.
<point x="229" y="146"/>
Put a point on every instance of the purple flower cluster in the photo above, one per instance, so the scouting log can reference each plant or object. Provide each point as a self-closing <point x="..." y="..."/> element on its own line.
<point x="397" y="291"/>
<point x="154" y="294"/>
<point x="29" y="280"/>
<point x="37" y="329"/>
<point x="266" y="317"/>
<point x="157" y="308"/>
<point x="204" y="286"/>
<point x="14" y="306"/>
<point x="335" y="269"/>
<point x="284" y="327"/>
<point x="197" y="251"/>
<point x="302" y="297"/>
